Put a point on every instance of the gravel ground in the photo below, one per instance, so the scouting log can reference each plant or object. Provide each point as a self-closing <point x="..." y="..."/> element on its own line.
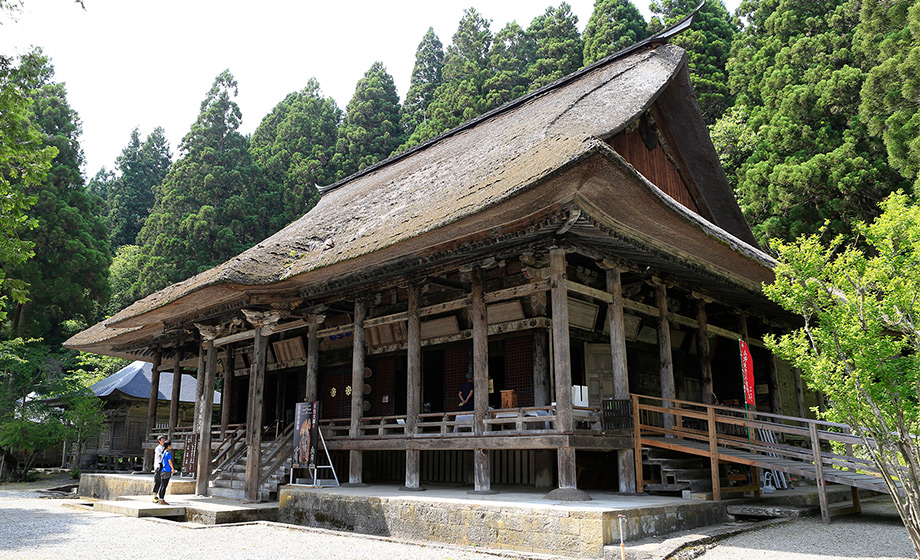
<point x="34" y="528"/>
<point x="876" y="533"/>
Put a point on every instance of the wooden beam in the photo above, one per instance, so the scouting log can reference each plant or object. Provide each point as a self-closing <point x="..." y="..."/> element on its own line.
<point x="246" y="335"/>
<point x="588" y="291"/>
<point x="413" y="365"/>
<point x="799" y="392"/>
<point x="703" y="354"/>
<point x="256" y="405"/>
<point x="355" y="457"/>
<point x="626" y="463"/>
<point x="540" y="368"/>
<point x="176" y="393"/>
<point x="152" y="402"/>
<point x="516" y="291"/>
<point x="479" y="319"/>
<point x="776" y="399"/>
<point x="226" y="394"/>
<point x="203" y="470"/>
<point x="199" y="387"/>
<point x="310" y="392"/>
<point x="665" y="360"/>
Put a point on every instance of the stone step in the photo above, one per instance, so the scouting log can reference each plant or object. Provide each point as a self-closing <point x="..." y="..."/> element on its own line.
<point x="770" y="511"/>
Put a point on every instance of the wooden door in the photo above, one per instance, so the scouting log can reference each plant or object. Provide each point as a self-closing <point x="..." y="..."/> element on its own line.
<point x="598" y="373"/>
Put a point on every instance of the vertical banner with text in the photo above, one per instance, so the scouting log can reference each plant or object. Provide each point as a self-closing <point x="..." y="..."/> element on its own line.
<point x="306" y="416"/>
<point x="747" y="374"/>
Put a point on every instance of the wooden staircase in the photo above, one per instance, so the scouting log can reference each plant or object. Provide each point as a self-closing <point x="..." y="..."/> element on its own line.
<point x="667" y="429"/>
<point x="228" y="477"/>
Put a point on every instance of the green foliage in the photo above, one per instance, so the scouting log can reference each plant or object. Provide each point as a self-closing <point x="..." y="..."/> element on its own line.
<point x="426" y="77"/>
<point x="889" y="36"/>
<point x="558" y="45"/>
<point x="123" y="278"/>
<point x="24" y="162"/>
<point x="371" y="130"/>
<point x="295" y="145"/>
<point x="512" y="54"/>
<point x="613" y="26"/>
<point x="708" y="44"/>
<point x="860" y="343"/>
<point x="141" y="167"/>
<point x="461" y="96"/>
<point x="797" y="82"/>
<point x="207" y="209"/>
<point x="67" y="277"/>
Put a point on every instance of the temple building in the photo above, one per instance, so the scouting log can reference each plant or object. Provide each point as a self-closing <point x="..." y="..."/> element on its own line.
<point x="569" y="249"/>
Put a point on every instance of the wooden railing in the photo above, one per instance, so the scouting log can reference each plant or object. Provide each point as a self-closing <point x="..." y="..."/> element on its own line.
<point x="827" y="447"/>
<point x="229" y="450"/>
<point x="276" y="454"/>
<point x="506" y="421"/>
<point x="180" y="432"/>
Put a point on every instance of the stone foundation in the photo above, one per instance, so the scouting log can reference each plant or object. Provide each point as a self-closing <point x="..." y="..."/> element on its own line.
<point x="110" y="486"/>
<point x="575" y="530"/>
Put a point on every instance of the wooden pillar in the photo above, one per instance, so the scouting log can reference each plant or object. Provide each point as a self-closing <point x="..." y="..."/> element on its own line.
<point x="206" y="404"/>
<point x="540" y="368"/>
<point x="626" y="462"/>
<point x="562" y="365"/>
<point x="176" y="393"/>
<point x="226" y="394"/>
<point x="310" y="393"/>
<point x="199" y="387"/>
<point x="799" y="392"/>
<point x="479" y="317"/>
<point x="152" y="402"/>
<point x="704" y="354"/>
<point x="776" y="399"/>
<point x="355" y="457"/>
<point x="665" y="361"/>
<point x="262" y="323"/>
<point x="413" y="385"/>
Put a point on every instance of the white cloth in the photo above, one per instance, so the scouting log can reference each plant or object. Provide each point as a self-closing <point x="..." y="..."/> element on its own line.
<point x="158" y="456"/>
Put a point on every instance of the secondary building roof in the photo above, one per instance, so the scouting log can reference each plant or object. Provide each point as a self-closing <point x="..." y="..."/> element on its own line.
<point x="133" y="380"/>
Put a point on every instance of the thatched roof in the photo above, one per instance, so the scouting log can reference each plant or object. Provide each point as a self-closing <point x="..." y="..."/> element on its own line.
<point x="411" y="202"/>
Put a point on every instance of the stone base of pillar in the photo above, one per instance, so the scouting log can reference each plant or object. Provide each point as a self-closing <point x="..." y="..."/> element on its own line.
<point x="568" y="495"/>
<point x="482" y="492"/>
<point x="412" y="489"/>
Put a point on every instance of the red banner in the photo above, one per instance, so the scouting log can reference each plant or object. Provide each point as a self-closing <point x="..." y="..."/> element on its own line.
<point x="747" y="373"/>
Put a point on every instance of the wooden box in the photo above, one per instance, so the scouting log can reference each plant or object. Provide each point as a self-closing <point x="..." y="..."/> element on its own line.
<point x="509" y="399"/>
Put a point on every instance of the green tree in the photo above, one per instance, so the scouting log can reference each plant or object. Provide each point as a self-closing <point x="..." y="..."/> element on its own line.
<point x="708" y="44"/>
<point x="860" y="343"/>
<point x="558" y="45"/>
<point x="888" y="35"/>
<point x="141" y="167"/>
<point x="461" y="96"/>
<point x="512" y="54"/>
<point x="613" y="26"/>
<point x="371" y="130"/>
<point x="206" y="210"/>
<point x="24" y="163"/>
<point x="795" y="73"/>
<point x="68" y="276"/>
<point x="295" y="145"/>
<point x="426" y="77"/>
<point x="123" y="278"/>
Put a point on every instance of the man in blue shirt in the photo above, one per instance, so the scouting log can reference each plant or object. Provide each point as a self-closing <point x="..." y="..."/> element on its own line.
<point x="167" y="469"/>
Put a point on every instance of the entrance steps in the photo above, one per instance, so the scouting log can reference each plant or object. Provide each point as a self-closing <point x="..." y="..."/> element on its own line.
<point x="230" y="483"/>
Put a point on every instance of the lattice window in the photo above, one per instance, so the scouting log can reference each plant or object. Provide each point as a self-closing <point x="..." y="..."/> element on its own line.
<point x="456" y="364"/>
<point x="519" y="368"/>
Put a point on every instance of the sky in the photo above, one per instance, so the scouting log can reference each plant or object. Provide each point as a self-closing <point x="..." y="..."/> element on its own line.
<point x="139" y="63"/>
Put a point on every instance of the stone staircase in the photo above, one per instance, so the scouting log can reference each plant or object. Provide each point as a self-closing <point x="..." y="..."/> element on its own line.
<point x="230" y="482"/>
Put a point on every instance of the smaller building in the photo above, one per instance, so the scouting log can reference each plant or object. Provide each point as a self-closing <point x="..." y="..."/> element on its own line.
<point x="126" y="397"/>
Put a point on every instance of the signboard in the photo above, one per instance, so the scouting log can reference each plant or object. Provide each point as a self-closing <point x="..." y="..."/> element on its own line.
<point x="306" y="417"/>
<point x="190" y="454"/>
<point x="747" y="373"/>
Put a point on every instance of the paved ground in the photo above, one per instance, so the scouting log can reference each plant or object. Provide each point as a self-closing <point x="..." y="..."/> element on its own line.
<point x="876" y="533"/>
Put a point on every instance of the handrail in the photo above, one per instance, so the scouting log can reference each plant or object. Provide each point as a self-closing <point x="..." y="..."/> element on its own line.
<point x="273" y="459"/>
